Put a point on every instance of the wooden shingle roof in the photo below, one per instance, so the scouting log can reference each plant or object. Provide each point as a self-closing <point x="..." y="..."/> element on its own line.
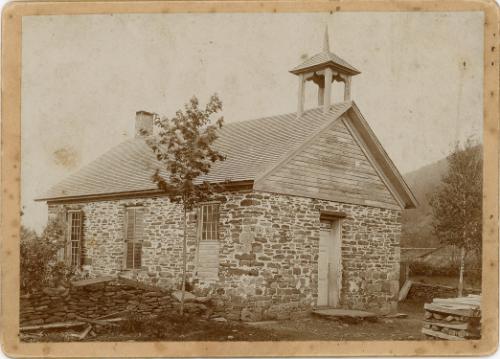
<point x="250" y="147"/>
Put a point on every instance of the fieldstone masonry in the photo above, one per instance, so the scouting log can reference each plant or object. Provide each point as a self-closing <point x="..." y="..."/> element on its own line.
<point x="427" y="292"/>
<point x="92" y="301"/>
<point x="268" y="251"/>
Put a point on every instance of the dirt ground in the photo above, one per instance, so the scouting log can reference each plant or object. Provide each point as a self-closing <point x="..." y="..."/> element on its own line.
<point x="309" y="328"/>
<point x="318" y="328"/>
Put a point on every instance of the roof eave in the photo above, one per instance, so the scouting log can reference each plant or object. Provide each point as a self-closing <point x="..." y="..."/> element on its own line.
<point x="234" y="185"/>
<point x="352" y="72"/>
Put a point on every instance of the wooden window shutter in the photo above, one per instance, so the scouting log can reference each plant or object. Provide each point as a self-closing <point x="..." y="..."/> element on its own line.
<point x="138" y="236"/>
<point x="81" y="254"/>
<point x="139" y="224"/>
<point x="125" y="250"/>
<point x="67" y="248"/>
<point x="137" y="255"/>
<point x="198" y="223"/>
<point x="130" y="254"/>
<point x="133" y="234"/>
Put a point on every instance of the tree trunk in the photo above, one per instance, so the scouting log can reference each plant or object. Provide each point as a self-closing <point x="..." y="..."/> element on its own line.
<point x="461" y="277"/>
<point x="184" y="262"/>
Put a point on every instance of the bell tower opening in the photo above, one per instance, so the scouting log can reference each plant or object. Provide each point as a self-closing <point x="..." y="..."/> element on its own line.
<point x="323" y="69"/>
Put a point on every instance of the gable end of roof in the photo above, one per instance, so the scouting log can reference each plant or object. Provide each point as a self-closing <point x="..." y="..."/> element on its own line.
<point x="391" y="175"/>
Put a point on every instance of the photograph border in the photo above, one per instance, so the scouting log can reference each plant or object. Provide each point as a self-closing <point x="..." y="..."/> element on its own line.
<point x="11" y="184"/>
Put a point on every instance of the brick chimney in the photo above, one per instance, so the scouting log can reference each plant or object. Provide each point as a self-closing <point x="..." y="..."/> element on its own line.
<point x="143" y="123"/>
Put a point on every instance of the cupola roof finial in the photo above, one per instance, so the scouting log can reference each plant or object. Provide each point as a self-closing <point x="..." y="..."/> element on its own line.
<point x="326" y="41"/>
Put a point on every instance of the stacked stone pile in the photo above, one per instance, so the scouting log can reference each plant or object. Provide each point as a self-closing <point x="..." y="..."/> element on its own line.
<point x="425" y="291"/>
<point x="453" y="318"/>
<point x="94" y="299"/>
<point x="205" y="307"/>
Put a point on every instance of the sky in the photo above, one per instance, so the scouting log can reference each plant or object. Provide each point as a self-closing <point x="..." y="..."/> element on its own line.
<point x="84" y="77"/>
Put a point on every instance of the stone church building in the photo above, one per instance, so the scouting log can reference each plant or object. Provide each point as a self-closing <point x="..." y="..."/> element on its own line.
<point x="310" y="215"/>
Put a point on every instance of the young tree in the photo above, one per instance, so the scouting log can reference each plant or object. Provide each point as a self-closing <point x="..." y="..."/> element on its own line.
<point x="183" y="146"/>
<point x="457" y="203"/>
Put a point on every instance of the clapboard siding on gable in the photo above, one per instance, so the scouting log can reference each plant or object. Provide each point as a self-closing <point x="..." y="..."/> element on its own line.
<point x="331" y="166"/>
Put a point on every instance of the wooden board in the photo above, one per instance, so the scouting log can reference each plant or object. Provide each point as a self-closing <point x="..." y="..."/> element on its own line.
<point x="441" y="335"/>
<point x="454" y="301"/>
<point x="404" y="290"/>
<point x="464" y="312"/>
<point x="458" y="326"/>
<point x="84" y="282"/>
<point x="52" y="326"/>
<point x="208" y="261"/>
<point x="350" y="313"/>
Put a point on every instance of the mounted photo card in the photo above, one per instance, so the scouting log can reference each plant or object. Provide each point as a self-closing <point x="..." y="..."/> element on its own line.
<point x="244" y="179"/>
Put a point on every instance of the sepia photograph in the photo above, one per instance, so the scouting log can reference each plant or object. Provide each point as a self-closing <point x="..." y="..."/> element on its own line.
<point x="252" y="177"/>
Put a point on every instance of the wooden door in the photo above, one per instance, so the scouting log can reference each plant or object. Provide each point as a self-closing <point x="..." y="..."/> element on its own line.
<point x="329" y="264"/>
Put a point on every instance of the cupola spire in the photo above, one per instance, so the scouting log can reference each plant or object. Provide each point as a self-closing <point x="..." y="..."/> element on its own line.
<point x="326" y="41"/>
<point x="323" y="69"/>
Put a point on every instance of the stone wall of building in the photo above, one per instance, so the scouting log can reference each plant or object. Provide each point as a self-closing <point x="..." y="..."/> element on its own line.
<point x="269" y="247"/>
<point x="104" y="245"/>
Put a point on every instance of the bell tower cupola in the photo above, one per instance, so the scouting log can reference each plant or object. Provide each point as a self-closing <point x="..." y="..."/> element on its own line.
<point x="322" y="69"/>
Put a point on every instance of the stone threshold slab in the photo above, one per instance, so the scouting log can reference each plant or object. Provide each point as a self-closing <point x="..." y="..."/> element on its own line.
<point x="342" y="313"/>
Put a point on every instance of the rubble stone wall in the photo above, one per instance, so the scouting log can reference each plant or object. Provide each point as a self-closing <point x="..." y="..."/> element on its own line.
<point x="92" y="301"/>
<point x="268" y="251"/>
<point x="427" y="292"/>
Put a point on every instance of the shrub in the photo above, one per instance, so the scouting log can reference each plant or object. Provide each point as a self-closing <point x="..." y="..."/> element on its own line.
<point x="133" y="323"/>
<point x="39" y="265"/>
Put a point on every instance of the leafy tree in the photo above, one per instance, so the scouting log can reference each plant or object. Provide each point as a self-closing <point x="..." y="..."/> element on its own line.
<point x="183" y="146"/>
<point x="457" y="203"/>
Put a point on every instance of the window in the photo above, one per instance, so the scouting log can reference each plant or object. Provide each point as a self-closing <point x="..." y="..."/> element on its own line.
<point x="74" y="248"/>
<point x="133" y="237"/>
<point x="209" y="221"/>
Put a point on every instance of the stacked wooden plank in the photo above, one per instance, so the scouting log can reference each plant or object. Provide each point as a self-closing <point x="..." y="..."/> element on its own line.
<point x="453" y="318"/>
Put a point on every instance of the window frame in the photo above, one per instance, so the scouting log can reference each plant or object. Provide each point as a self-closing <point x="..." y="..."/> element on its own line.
<point x="208" y="227"/>
<point x="203" y="242"/>
<point x="74" y="247"/>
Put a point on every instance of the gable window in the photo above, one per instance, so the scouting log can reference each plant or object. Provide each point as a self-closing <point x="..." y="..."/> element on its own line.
<point x="74" y="240"/>
<point x="209" y="222"/>
<point x="134" y="225"/>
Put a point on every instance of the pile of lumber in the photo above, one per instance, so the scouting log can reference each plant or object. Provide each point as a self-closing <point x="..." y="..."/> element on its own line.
<point x="89" y="324"/>
<point x="453" y="318"/>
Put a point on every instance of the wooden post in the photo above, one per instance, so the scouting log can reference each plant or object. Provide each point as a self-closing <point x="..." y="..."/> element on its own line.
<point x="321" y="96"/>
<point x="328" y="89"/>
<point x="184" y="261"/>
<point x="461" y="278"/>
<point x="347" y="89"/>
<point x="300" y="103"/>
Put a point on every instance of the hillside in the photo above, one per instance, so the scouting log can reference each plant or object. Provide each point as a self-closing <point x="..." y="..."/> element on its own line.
<point x="417" y="231"/>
